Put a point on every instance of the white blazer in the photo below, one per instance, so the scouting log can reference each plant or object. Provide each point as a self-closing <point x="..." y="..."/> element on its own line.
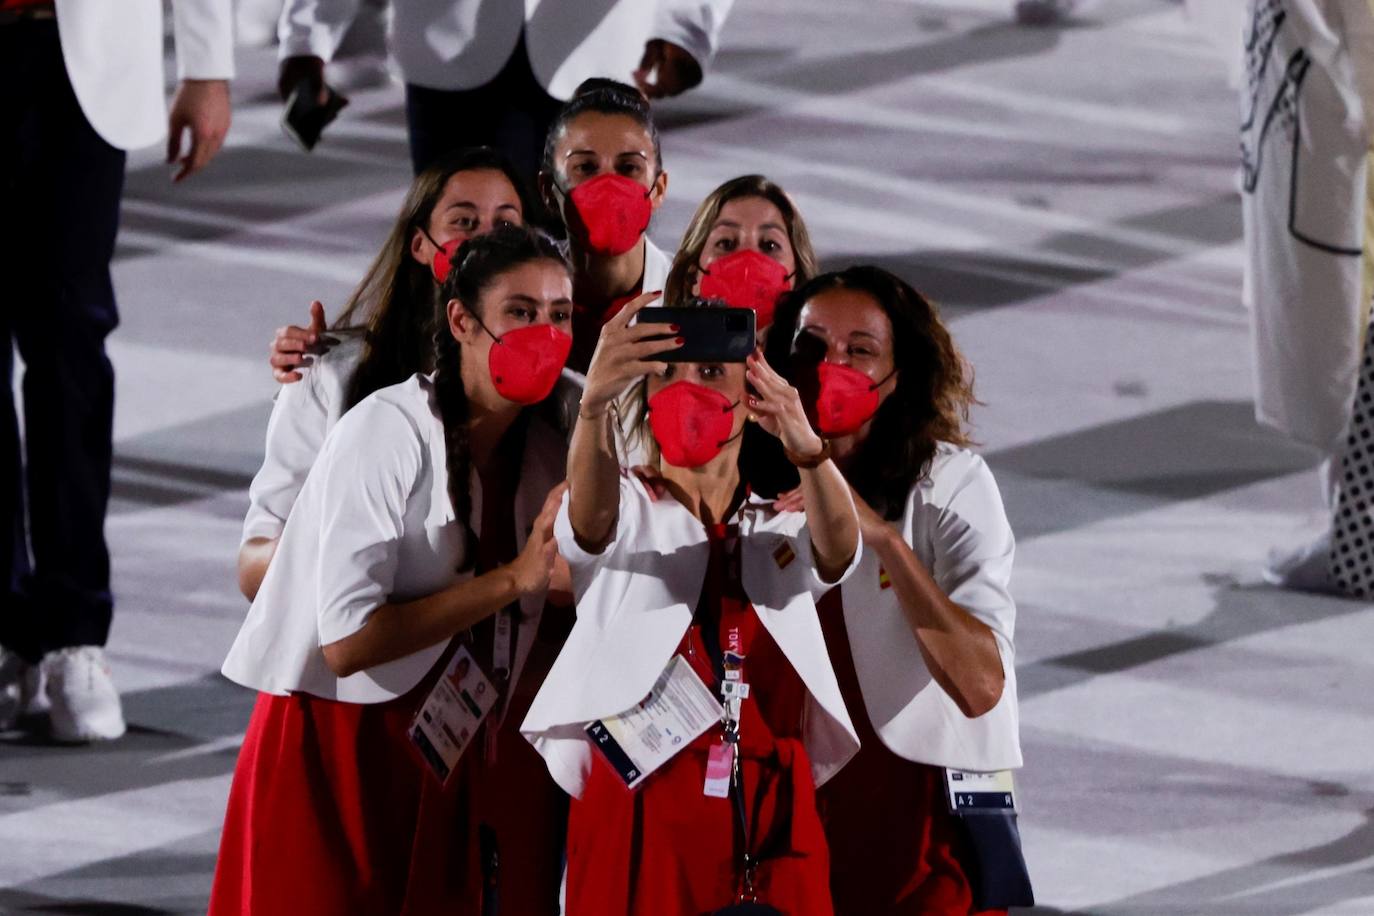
<point x="461" y="44"/>
<point x="374" y="523"/>
<point x="113" y="53"/>
<point x="302" y="416"/>
<point x="1307" y="125"/>
<point x="636" y="599"/>
<point x="956" y="526"/>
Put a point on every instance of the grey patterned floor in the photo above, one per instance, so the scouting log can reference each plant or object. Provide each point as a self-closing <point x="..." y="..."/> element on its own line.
<point x="1195" y="741"/>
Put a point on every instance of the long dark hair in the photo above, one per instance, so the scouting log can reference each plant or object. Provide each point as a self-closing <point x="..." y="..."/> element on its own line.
<point x="603" y="96"/>
<point x="395" y="301"/>
<point x="934" y="389"/>
<point x="478" y="264"/>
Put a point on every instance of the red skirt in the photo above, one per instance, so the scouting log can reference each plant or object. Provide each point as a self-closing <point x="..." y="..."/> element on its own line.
<point x="331" y="813"/>
<point x="895" y="848"/>
<point x="668" y="850"/>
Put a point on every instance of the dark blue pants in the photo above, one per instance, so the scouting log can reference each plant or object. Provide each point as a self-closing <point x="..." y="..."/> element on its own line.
<point x="60" y="186"/>
<point x="511" y="112"/>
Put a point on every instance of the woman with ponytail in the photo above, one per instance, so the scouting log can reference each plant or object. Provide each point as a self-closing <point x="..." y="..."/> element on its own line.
<point x="400" y="634"/>
<point x="383" y="336"/>
<point x="603" y="177"/>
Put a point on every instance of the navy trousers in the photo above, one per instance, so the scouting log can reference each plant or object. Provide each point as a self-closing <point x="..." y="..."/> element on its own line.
<point x="60" y="186"/>
<point x="512" y="112"/>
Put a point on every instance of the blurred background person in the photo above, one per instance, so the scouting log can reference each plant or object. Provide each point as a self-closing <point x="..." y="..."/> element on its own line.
<point x="71" y="103"/>
<point x="360" y="61"/>
<point x="494" y="72"/>
<point x="1307" y="104"/>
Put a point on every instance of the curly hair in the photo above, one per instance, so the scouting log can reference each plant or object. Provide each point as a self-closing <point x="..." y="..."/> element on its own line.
<point x="933" y="394"/>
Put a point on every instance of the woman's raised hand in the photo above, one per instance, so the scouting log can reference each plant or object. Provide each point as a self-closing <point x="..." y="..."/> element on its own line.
<point x="292" y="345"/>
<point x="778" y="408"/>
<point x="624" y="354"/>
<point x="534" y="567"/>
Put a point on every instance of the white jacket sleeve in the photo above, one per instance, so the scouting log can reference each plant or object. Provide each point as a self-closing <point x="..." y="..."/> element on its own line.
<point x="974" y="548"/>
<point x="295" y="436"/>
<point x="314" y="28"/>
<point x="693" y="25"/>
<point x="370" y="465"/>
<point x="204" y="35"/>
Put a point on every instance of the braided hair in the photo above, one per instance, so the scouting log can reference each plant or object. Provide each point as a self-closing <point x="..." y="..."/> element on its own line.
<point x="479" y="262"/>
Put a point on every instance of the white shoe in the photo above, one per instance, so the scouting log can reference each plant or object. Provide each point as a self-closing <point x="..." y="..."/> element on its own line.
<point x="85" y="704"/>
<point x="1043" y="12"/>
<point x="1304" y="569"/>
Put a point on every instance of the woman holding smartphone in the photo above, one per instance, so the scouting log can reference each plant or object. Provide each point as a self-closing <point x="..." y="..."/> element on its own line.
<point x="684" y="571"/>
<point x="922" y="634"/>
<point x="422" y="536"/>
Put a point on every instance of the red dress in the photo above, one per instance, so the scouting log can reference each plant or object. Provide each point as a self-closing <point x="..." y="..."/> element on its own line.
<point x="895" y="848"/>
<point x="332" y="813"/>
<point x="666" y="849"/>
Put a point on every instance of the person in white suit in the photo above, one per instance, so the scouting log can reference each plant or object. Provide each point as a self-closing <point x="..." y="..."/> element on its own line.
<point x="494" y="72"/>
<point x="1307" y="128"/>
<point x="81" y="82"/>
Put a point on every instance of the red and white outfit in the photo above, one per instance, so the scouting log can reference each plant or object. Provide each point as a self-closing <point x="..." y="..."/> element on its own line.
<point x="895" y="847"/>
<point x="658" y="589"/>
<point x="328" y="794"/>
<point x="304" y="412"/>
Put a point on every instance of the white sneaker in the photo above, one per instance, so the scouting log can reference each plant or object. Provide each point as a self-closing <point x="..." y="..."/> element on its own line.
<point x="1043" y="12"/>
<point x="1304" y="569"/>
<point x="85" y="704"/>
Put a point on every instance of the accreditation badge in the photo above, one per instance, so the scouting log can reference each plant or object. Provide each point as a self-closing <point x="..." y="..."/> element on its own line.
<point x="980" y="793"/>
<point x="644" y="737"/>
<point x="452" y="714"/>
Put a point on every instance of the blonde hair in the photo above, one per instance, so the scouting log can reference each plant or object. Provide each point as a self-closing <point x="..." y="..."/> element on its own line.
<point x="687" y="262"/>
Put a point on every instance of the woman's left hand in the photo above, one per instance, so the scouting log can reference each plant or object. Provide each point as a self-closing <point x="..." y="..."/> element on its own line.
<point x="778" y="408"/>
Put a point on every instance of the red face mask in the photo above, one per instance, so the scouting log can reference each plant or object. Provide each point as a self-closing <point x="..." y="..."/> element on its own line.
<point x="610" y="213"/>
<point x="525" y="363"/>
<point x="748" y="280"/>
<point x="444" y="255"/>
<point x="841" y="400"/>
<point x="691" y="423"/>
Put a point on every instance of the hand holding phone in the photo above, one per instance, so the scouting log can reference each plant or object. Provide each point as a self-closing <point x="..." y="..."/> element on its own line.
<point x="710" y="335"/>
<point x="311" y="103"/>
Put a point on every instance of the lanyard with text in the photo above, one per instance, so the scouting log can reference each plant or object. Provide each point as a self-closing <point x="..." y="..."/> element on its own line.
<point x="502" y="657"/>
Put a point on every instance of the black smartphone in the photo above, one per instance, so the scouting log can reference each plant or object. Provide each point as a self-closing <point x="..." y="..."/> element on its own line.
<point x="305" y="118"/>
<point x="710" y="335"/>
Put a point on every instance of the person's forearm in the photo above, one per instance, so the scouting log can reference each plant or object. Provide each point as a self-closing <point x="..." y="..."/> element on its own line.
<point x="959" y="649"/>
<point x="831" y="518"/>
<point x="254" y="557"/>
<point x="396" y="630"/>
<point x="593" y="481"/>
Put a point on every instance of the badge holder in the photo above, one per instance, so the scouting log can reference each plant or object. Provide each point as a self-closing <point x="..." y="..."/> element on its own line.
<point x="643" y="738"/>
<point x="985" y="804"/>
<point x="734" y="689"/>
<point x="452" y="714"/>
